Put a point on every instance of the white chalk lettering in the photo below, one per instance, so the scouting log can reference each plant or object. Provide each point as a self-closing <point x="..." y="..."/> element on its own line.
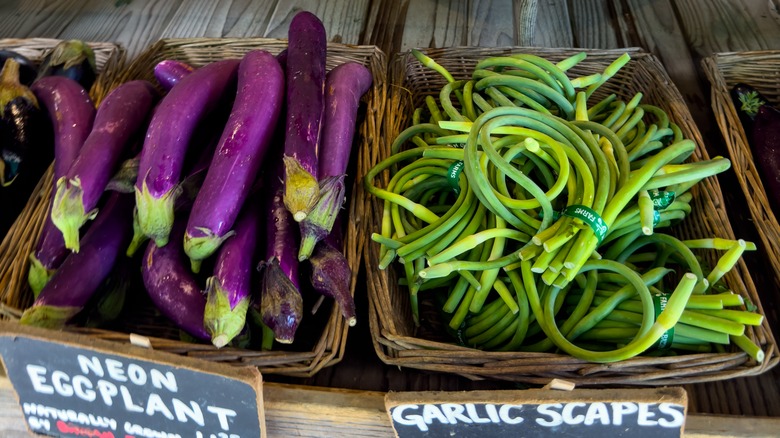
<point x="90" y="364"/>
<point x="222" y="414"/>
<point x="504" y="414"/>
<point x="644" y="416"/>
<point x="619" y="409"/>
<point x="137" y="374"/>
<point x="107" y="391"/>
<point x="128" y="400"/>
<point x="60" y="381"/>
<point x="492" y="413"/>
<point x="674" y="411"/>
<point x="454" y="413"/>
<point x="472" y="411"/>
<point x="167" y="380"/>
<point x="597" y="412"/>
<point x="409" y="420"/>
<point x="568" y="411"/>
<point x="37" y="373"/>
<point x="432" y="412"/>
<point x="116" y="370"/>
<point x="555" y="418"/>
<point x="193" y="412"/>
<point x="155" y="405"/>
<point x="82" y="387"/>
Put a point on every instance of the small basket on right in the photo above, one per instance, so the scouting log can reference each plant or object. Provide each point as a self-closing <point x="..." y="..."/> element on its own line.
<point x="761" y="70"/>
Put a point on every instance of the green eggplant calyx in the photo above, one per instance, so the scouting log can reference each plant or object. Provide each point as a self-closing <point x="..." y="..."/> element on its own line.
<point x="222" y="321"/>
<point x="200" y="248"/>
<point x="68" y="213"/>
<point x="301" y="189"/>
<point x="11" y="88"/>
<point x="72" y="53"/>
<point x="155" y="215"/>
<point x="52" y="317"/>
<point x="38" y="276"/>
<point x="319" y="222"/>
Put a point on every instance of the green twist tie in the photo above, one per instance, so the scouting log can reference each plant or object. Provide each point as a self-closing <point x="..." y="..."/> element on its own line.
<point x="656" y="217"/>
<point x="659" y="302"/>
<point x="590" y="217"/>
<point x="453" y="175"/>
<point x="661" y="199"/>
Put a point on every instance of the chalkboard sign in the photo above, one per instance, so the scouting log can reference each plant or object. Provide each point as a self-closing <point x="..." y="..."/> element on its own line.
<point x="635" y="413"/>
<point x="75" y="389"/>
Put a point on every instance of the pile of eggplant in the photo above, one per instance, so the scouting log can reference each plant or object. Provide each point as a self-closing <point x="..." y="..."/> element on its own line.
<point x="225" y="191"/>
<point x="25" y="132"/>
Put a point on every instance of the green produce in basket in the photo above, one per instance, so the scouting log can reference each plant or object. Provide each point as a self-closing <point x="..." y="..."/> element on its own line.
<point x="534" y="213"/>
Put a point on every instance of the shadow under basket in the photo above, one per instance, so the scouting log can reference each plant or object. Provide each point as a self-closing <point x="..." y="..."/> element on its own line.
<point x="321" y="338"/>
<point x="399" y="341"/>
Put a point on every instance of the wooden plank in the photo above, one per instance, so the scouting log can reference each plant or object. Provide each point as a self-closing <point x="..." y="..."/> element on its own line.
<point x="344" y="20"/>
<point x="135" y="25"/>
<point x="37" y="18"/>
<point x="553" y="26"/>
<point x="593" y="26"/>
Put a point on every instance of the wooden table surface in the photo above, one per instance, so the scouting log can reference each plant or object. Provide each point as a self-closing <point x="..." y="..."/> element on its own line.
<point x="680" y="32"/>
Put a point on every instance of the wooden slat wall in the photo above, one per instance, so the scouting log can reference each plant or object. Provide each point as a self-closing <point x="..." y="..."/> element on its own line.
<point x="679" y="32"/>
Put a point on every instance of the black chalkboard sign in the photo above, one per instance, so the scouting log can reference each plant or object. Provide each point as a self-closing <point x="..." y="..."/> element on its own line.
<point x="73" y="390"/>
<point x="652" y="413"/>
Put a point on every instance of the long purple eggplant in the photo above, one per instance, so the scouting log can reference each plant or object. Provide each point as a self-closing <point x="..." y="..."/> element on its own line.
<point x="281" y="303"/>
<point x="228" y="291"/>
<point x="242" y="147"/>
<point x="169" y="72"/>
<point x="305" y="73"/>
<point x="172" y="287"/>
<point x="345" y="85"/>
<point x="170" y="131"/>
<point x="81" y="274"/>
<point x="122" y="114"/>
<point x="72" y="113"/>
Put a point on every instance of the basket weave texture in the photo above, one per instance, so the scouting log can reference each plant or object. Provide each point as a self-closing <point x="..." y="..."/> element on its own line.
<point x="760" y="69"/>
<point x="326" y="343"/>
<point x="397" y="340"/>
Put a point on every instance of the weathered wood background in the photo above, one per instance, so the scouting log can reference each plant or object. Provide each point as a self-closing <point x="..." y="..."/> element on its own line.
<point x="680" y="32"/>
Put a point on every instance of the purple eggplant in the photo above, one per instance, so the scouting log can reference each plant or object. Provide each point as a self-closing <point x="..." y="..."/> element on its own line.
<point x="305" y="73"/>
<point x="170" y="131"/>
<point x="281" y="303"/>
<point x="82" y="273"/>
<point x="242" y="147"/>
<point x="28" y="69"/>
<point x="71" y="112"/>
<point x="122" y="114"/>
<point x="72" y="59"/>
<point x="345" y="85"/>
<point x="331" y="275"/>
<point x="169" y="72"/>
<point x="228" y="291"/>
<point x="172" y="287"/>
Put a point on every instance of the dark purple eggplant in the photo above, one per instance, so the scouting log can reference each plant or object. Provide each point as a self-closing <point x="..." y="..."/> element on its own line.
<point x="228" y="290"/>
<point x="71" y="112"/>
<point x="82" y="273"/>
<point x="242" y="148"/>
<point x="171" y="285"/>
<point x="72" y="59"/>
<point x="28" y="69"/>
<point x="280" y="301"/>
<point x="21" y="121"/>
<point x="305" y="73"/>
<point x="761" y="121"/>
<point x="122" y="114"/>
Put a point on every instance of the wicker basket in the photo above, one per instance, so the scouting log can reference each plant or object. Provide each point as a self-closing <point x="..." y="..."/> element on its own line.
<point x="322" y="342"/>
<point x="395" y="337"/>
<point x="760" y="69"/>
